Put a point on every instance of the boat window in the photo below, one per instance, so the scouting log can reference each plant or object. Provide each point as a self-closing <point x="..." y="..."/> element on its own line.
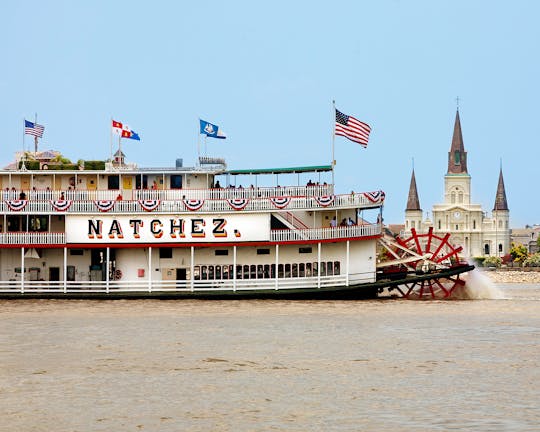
<point x="197" y="273"/>
<point x="225" y="274"/>
<point x="246" y="272"/>
<point x="141" y="181"/>
<point x="323" y="269"/>
<point x="301" y="269"/>
<point x="308" y="269"/>
<point x="336" y="268"/>
<point x="113" y="182"/>
<point x="266" y="271"/>
<point x="280" y="270"/>
<point x="221" y="252"/>
<point x="315" y="269"/>
<point x="218" y="272"/>
<point x="253" y="273"/>
<point x="176" y="181"/>
<point x="305" y="250"/>
<point x="287" y="270"/>
<point x="211" y="272"/>
<point x="165" y="252"/>
<point x="295" y="270"/>
<point x="238" y="272"/>
<point x="260" y="271"/>
<point x="76" y="252"/>
<point x="263" y="251"/>
<point x="329" y="268"/>
<point x="204" y="274"/>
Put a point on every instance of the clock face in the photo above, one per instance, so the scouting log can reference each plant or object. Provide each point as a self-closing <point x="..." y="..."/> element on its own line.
<point x="457" y="214"/>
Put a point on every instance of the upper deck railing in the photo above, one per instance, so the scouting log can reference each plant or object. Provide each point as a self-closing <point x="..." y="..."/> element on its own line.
<point x="185" y="204"/>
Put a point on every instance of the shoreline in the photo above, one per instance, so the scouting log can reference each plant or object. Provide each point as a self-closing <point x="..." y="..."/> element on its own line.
<point x="513" y="276"/>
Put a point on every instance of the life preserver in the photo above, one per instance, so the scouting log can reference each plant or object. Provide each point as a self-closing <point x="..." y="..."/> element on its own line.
<point x="117" y="274"/>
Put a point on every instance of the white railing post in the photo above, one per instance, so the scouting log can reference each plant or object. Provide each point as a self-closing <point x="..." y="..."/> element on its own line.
<point x="107" y="270"/>
<point x="149" y="268"/>
<point x="22" y="270"/>
<point x="277" y="264"/>
<point x="234" y="268"/>
<point x="319" y="265"/>
<point x="347" y="264"/>
<point x="192" y="268"/>
<point x="65" y="269"/>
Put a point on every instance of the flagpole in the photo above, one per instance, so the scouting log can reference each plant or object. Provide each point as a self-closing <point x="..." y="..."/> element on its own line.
<point x="23" y="143"/>
<point x="111" y="139"/>
<point x="333" y="139"/>
<point x="35" y="137"/>
<point x="199" y="142"/>
<point x="119" y="149"/>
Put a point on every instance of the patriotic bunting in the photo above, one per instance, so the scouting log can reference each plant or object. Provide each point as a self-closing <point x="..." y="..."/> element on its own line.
<point x="375" y="196"/>
<point x="104" y="205"/>
<point x="61" y="205"/>
<point x="149" y="205"/>
<point x="16" y="205"/>
<point x="325" y="201"/>
<point x="193" y="204"/>
<point x="238" y="203"/>
<point x="280" y="202"/>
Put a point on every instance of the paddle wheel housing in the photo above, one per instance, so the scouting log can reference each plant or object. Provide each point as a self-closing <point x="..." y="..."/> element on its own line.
<point x="422" y="266"/>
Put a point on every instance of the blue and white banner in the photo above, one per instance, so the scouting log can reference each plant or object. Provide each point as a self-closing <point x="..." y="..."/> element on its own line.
<point x="211" y="130"/>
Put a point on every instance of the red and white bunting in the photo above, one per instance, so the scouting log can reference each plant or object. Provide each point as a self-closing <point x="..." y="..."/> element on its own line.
<point x="16" y="205"/>
<point x="238" y="203"/>
<point x="375" y="196"/>
<point x="325" y="201"/>
<point x="280" y="202"/>
<point x="193" y="204"/>
<point x="61" y="205"/>
<point x="104" y="205"/>
<point x="149" y="205"/>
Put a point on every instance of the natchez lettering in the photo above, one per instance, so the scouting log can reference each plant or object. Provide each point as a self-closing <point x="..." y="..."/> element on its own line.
<point x="176" y="228"/>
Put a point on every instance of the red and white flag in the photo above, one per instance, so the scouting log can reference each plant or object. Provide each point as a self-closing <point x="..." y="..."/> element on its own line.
<point x="124" y="131"/>
<point x="351" y="128"/>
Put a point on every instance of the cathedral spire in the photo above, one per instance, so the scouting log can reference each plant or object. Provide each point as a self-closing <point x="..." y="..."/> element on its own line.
<point x="413" y="203"/>
<point x="457" y="156"/>
<point x="500" y="198"/>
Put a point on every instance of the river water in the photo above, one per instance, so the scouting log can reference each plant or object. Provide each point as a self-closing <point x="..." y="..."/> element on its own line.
<point x="382" y="365"/>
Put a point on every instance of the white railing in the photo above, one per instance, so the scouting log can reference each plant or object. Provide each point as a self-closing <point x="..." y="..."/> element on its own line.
<point x="284" y="235"/>
<point x="32" y="238"/>
<point x="177" y="206"/>
<point x="164" y="287"/>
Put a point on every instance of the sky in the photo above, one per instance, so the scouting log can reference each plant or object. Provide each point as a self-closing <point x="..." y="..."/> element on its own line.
<point x="267" y="73"/>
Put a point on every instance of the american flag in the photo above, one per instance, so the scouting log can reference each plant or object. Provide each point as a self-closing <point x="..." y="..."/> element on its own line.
<point x="353" y="129"/>
<point x="34" y="129"/>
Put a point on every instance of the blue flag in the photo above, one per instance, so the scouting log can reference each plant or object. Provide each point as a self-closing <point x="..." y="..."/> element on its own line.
<point x="211" y="130"/>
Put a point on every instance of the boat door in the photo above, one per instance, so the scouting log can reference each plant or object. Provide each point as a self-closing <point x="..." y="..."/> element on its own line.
<point x="25" y="182"/>
<point x="54" y="273"/>
<point x="181" y="274"/>
<point x="127" y="187"/>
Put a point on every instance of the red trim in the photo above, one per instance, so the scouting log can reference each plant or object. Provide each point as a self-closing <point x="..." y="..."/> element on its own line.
<point x="182" y="245"/>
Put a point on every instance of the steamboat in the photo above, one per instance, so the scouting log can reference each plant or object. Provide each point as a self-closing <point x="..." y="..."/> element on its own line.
<point x="111" y="229"/>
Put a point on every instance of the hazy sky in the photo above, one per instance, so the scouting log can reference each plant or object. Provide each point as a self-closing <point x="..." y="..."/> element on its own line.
<point x="267" y="72"/>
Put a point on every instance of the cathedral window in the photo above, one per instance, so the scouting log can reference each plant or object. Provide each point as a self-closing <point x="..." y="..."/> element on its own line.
<point x="460" y="196"/>
<point x="453" y="198"/>
<point x="500" y="247"/>
<point x="412" y="224"/>
<point x="474" y="223"/>
<point x="439" y="224"/>
<point x="500" y="224"/>
<point x="457" y="157"/>
<point x="486" y="249"/>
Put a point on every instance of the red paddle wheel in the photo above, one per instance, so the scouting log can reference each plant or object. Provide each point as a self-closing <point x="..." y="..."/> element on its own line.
<point x="419" y="265"/>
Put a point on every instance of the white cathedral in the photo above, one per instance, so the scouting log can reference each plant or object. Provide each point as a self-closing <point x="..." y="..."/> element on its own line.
<point x="467" y="223"/>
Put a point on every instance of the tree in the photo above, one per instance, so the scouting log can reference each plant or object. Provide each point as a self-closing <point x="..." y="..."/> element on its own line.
<point x="519" y="252"/>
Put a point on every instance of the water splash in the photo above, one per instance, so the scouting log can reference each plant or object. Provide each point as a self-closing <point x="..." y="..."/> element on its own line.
<point x="478" y="286"/>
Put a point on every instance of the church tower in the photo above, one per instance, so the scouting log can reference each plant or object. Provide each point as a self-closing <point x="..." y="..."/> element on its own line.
<point x="413" y="212"/>
<point x="501" y="219"/>
<point x="457" y="181"/>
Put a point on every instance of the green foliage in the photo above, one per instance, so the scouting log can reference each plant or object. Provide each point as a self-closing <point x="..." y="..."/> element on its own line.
<point x="519" y="252"/>
<point x="533" y="260"/>
<point x="492" y="261"/>
<point x="30" y="164"/>
<point x="479" y="261"/>
<point x="94" y="165"/>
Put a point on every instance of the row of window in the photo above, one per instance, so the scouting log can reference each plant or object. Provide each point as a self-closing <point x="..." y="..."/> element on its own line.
<point x="265" y="271"/>
<point x="166" y="252"/>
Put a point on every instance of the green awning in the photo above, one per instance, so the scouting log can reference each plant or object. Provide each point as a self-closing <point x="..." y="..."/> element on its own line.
<point x="291" y="170"/>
